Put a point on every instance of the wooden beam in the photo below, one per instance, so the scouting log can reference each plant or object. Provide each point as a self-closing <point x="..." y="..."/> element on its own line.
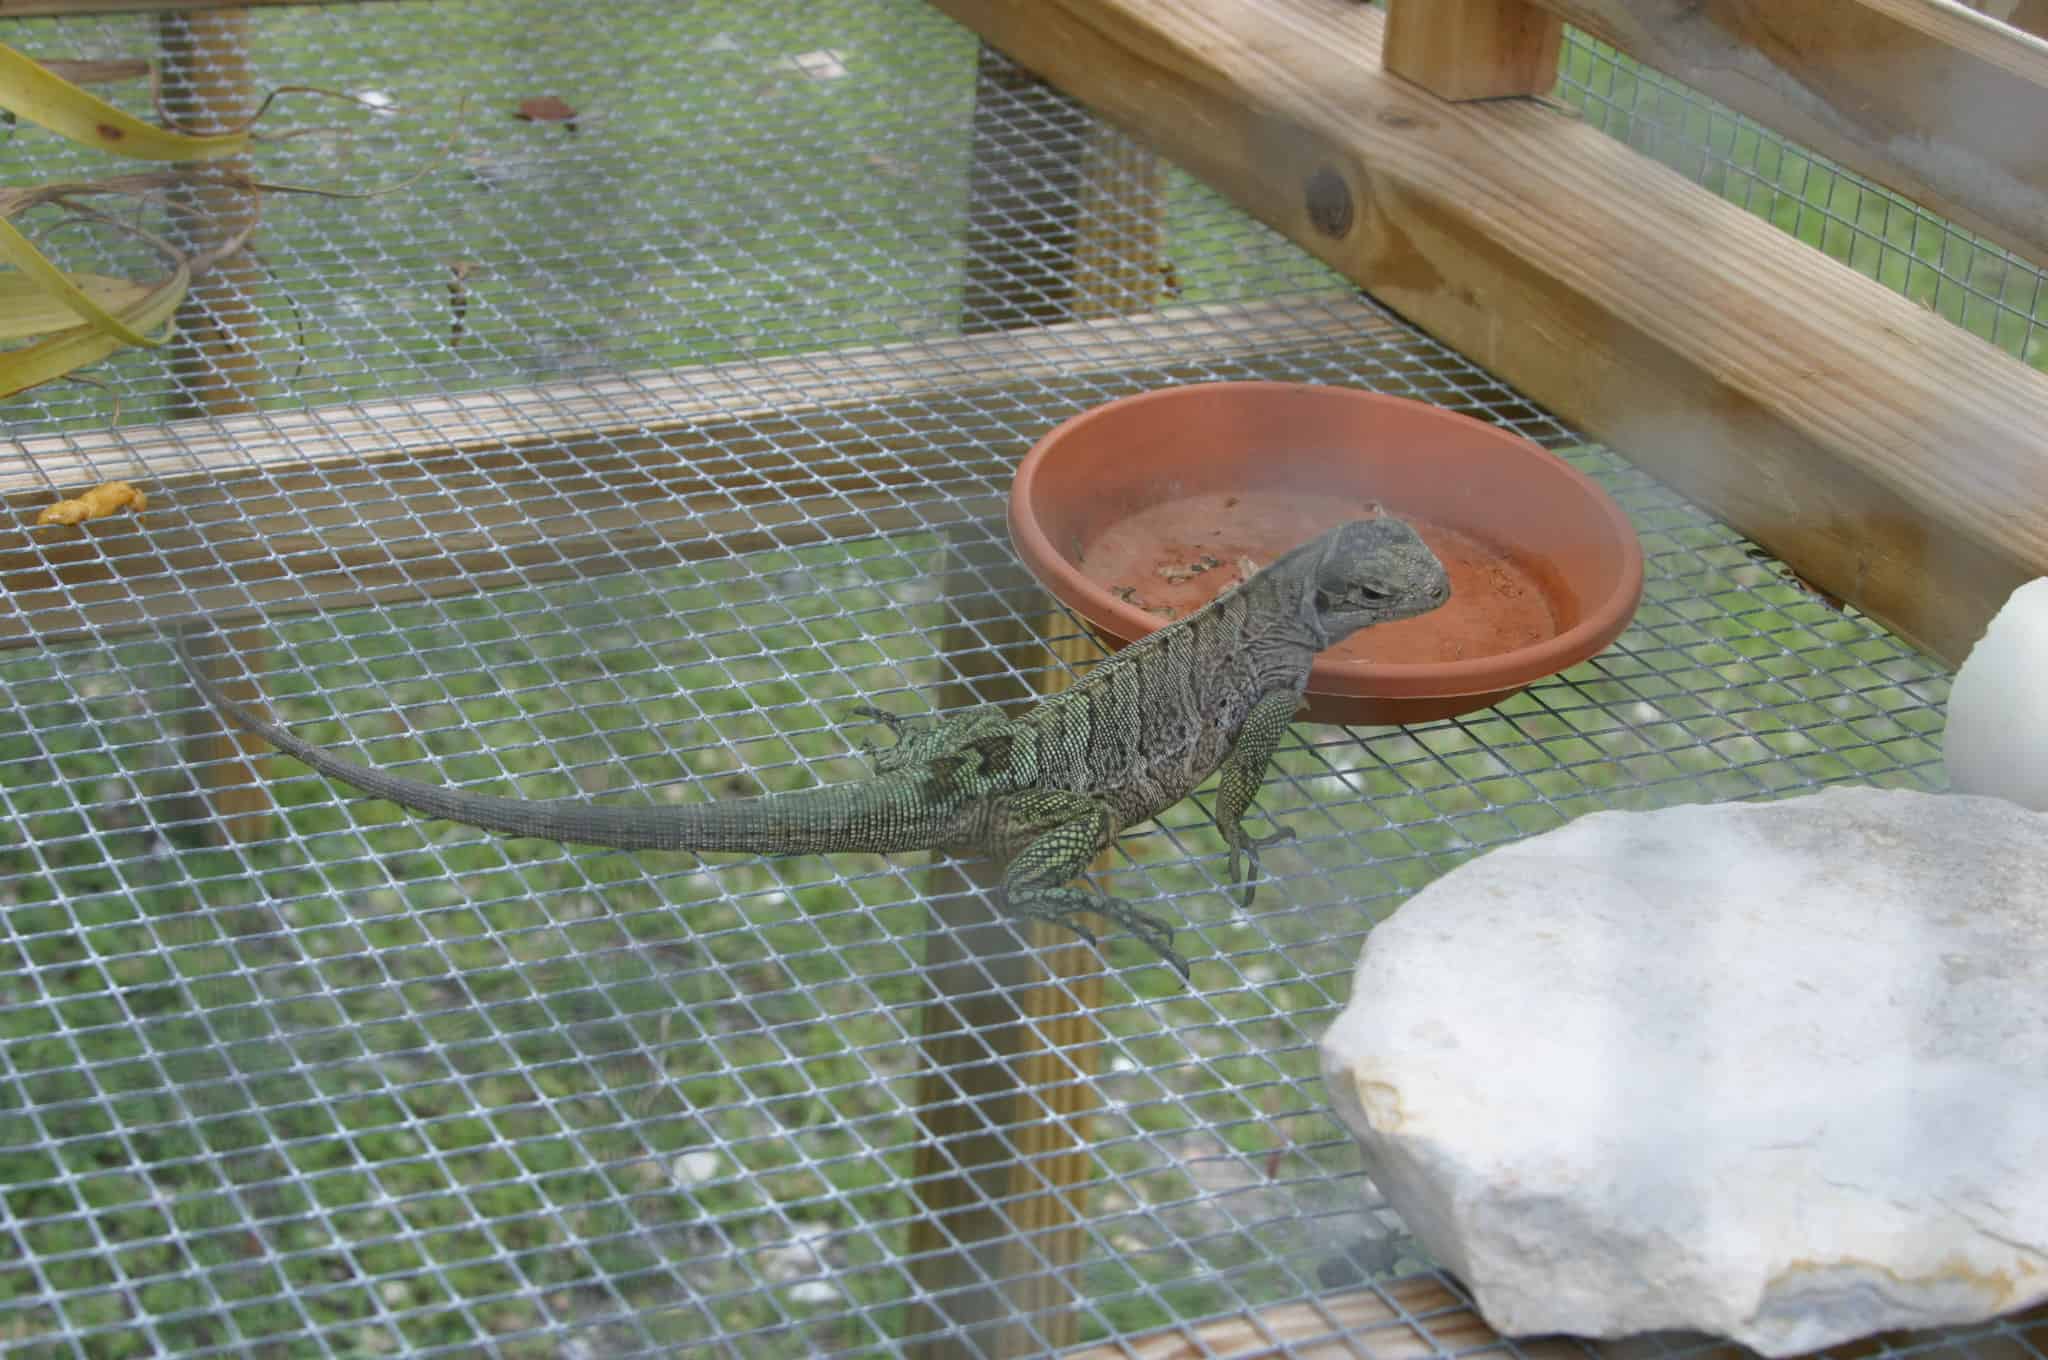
<point x="341" y="506"/>
<point x="2028" y="16"/>
<point x="1888" y="456"/>
<point x="1425" y="1320"/>
<point x="23" y="9"/>
<point x="208" y="86"/>
<point x="1011" y="1047"/>
<point x="1474" y="49"/>
<point x="1928" y="99"/>
<point x="650" y="403"/>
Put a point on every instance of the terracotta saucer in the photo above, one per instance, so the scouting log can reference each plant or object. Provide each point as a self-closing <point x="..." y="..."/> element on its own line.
<point x="1144" y="509"/>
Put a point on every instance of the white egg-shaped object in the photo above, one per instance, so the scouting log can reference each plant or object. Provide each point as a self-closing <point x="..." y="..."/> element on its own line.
<point x="1997" y="737"/>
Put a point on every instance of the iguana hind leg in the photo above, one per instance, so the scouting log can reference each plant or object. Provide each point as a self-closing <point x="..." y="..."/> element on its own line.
<point x="1244" y="769"/>
<point x="1071" y="829"/>
<point x="919" y="741"/>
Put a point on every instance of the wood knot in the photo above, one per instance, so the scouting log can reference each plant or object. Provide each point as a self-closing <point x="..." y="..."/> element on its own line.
<point x="1329" y="203"/>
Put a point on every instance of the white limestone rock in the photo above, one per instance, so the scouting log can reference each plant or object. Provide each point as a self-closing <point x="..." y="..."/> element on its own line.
<point x="1775" y="1071"/>
<point x="1996" y="738"/>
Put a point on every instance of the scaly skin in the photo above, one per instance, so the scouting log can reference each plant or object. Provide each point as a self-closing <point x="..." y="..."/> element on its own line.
<point x="1047" y="790"/>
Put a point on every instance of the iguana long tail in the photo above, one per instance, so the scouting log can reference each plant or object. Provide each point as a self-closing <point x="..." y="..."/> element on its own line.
<point x="882" y="815"/>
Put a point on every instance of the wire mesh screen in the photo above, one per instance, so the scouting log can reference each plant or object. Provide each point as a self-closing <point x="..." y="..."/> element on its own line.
<point x="622" y="455"/>
<point x="1975" y="283"/>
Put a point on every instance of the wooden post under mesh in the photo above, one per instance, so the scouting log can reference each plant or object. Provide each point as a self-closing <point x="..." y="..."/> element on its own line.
<point x="1011" y="1050"/>
<point x="208" y="87"/>
<point x="1065" y="223"/>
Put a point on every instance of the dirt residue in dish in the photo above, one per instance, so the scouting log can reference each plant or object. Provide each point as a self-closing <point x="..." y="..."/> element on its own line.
<point x="1171" y="559"/>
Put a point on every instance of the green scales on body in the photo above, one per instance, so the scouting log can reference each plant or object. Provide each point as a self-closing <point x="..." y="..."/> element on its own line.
<point x="1045" y="791"/>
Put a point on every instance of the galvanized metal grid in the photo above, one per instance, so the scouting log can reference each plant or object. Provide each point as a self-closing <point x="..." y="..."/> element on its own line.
<point x="1973" y="282"/>
<point x="370" y="1085"/>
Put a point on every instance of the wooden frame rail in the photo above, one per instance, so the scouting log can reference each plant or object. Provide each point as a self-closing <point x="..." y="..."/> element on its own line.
<point x="2028" y="16"/>
<point x="349" y="505"/>
<point x="1926" y="98"/>
<point x="23" y="9"/>
<point x="1411" y="1319"/>
<point x="1888" y="456"/>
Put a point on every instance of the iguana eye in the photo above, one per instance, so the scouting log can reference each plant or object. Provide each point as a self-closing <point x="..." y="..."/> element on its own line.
<point x="1353" y="594"/>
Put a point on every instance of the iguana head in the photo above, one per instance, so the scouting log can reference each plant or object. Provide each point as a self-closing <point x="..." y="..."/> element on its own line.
<point x="1365" y="572"/>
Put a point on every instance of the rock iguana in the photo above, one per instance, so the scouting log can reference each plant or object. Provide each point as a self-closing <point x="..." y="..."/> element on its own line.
<point x="1047" y="790"/>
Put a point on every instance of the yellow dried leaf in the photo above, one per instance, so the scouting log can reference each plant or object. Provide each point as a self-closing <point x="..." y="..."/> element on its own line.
<point x="32" y="92"/>
<point x="19" y="251"/>
<point x="27" y="309"/>
<point x="81" y="345"/>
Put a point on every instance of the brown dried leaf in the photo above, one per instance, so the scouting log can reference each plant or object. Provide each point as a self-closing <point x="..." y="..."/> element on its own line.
<point x="546" y="108"/>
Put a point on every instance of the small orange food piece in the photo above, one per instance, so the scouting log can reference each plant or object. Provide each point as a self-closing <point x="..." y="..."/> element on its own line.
<point x="108" y="498"/>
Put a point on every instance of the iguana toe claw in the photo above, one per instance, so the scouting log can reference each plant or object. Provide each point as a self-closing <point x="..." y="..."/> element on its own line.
<point x="1249" y="848"/>
<point x="1155" y="933"/>
<point x="1062" y="905"/>
<point x="892" y="721"/>
<point x="906" y="747"/>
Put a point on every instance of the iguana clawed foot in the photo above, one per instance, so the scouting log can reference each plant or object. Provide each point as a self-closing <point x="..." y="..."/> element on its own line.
<point x="920" y="741"/>
<point x="895" y="722"/>
<point x="1249" y="847"/>
<point x="1061" y="905"/>
<point x="883" y="760"/>
<point x="1150" y="929"/>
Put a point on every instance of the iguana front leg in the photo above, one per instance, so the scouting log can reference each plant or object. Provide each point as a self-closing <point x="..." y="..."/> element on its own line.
<point x="1243" y="770"/>
<point x="1072" y="829"/>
